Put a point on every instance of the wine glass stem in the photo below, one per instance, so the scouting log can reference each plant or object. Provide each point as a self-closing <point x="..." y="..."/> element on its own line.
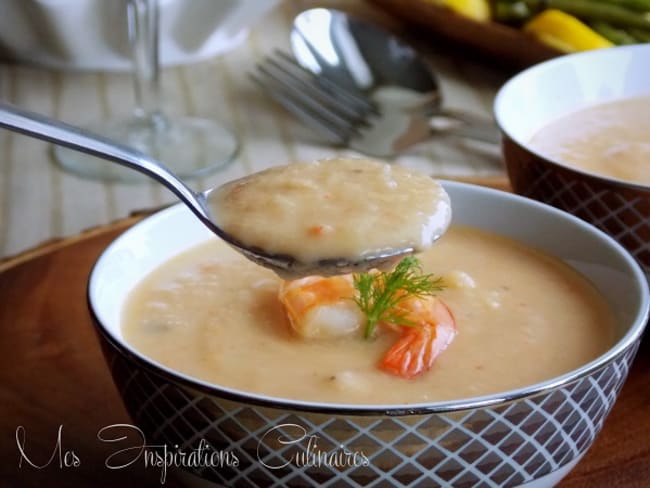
<point x="143" y="17"/>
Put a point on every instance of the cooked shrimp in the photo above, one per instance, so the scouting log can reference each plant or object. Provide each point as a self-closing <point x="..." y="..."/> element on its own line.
<point x="321" y="308"/>
<point x="432" y="331"/>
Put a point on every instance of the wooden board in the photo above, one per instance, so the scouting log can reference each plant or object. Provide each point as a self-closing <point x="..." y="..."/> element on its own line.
<point x="52" y="374"/>
<point x="500" y="43"/>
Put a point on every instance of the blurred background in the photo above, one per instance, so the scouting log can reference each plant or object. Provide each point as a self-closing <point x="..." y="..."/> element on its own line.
<point x="71" y="60"/>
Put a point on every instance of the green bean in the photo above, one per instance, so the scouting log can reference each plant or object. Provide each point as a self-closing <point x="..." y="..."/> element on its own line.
<point x="506" y="11"/>
<point x="591" y="10"/>
<point x="614" y="34"/>
<point x="641" y="34"/>
<point x="641" y="5"/>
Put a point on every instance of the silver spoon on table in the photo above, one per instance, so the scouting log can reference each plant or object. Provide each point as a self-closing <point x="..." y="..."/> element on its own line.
<point x="57" y="132"/>
<point x="365" y="59"/>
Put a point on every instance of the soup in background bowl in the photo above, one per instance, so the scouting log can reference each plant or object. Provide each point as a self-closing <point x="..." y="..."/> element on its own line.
<point x="532" y="435"/>
<point x="610" y="139"/>
<point x="543" y="107"/>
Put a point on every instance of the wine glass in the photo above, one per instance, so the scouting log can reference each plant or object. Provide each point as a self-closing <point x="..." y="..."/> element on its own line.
<point x="190" y="147"/>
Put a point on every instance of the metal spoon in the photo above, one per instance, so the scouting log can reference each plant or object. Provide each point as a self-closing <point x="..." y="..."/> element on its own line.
<point x="60" y="133"/>
<point x="367" y="60"/>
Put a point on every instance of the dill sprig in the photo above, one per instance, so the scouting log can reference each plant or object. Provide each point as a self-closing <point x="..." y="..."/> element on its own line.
<point x="381" y="292"/>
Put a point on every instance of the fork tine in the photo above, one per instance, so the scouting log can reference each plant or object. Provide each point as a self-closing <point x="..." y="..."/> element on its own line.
<point x="353" y="98"/>
<point x="305" y="82"/>
<point x="311" y="117"/>
<point x="319" y="102"/>
<point x="310" y="102"/>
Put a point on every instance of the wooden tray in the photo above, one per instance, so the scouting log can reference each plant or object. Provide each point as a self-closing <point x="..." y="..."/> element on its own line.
<point x="500" y="43"/>
<point x="52" y="374"/>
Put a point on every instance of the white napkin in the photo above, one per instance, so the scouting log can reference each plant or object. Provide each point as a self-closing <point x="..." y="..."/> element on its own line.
<point x="92" y="34"/>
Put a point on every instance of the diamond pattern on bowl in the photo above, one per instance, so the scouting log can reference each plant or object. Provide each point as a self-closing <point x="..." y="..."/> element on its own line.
<point x="502" y="445"/>
<point x="620" y="209"/>
<point x="623" y="219"/>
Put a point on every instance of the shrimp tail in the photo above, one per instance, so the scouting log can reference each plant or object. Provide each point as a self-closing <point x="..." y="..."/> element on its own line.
<point x="419" y="346"/>
<point x="411" y="354"/>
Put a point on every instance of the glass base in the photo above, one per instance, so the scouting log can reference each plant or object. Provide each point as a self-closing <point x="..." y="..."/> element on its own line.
<point x="189" y="147"/>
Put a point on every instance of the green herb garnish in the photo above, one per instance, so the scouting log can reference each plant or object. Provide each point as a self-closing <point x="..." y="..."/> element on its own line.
<point x="380" y="293"/>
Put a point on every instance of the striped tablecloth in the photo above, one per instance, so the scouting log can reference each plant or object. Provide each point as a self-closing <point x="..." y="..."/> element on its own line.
<point x="39" y="201"/>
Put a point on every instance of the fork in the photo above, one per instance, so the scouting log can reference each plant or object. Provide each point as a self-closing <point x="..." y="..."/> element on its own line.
<point x="328" y="108"/>
<point x="347" y="117"/>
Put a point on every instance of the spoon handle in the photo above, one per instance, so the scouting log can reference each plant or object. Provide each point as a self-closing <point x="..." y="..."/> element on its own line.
<point x="57" y="132"/>
<point x="465" y="124"/>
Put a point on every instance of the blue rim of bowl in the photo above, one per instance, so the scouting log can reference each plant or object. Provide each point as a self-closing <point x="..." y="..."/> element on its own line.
<point x="502" y="94"/>
<point x="632" y="335"/>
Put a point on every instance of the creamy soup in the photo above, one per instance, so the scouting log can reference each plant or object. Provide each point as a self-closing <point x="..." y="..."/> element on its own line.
<point x="339" y="208"/>
<point x="522" y="317"/>
<point x="611" y="139"/>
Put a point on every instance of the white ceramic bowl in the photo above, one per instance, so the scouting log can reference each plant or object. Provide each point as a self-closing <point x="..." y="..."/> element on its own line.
<point x="531" y="436"/>
<point x="541" y="94"/>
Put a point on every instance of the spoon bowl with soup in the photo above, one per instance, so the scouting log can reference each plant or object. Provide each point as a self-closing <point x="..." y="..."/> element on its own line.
<point x="354" y="215"/>
<point x="576" y="135"/>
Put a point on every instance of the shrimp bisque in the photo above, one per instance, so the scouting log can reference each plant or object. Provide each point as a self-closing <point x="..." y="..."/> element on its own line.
<point x="484" y="314"/>
<point x="333" y="209"/>
<point x="609" y="139"/>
